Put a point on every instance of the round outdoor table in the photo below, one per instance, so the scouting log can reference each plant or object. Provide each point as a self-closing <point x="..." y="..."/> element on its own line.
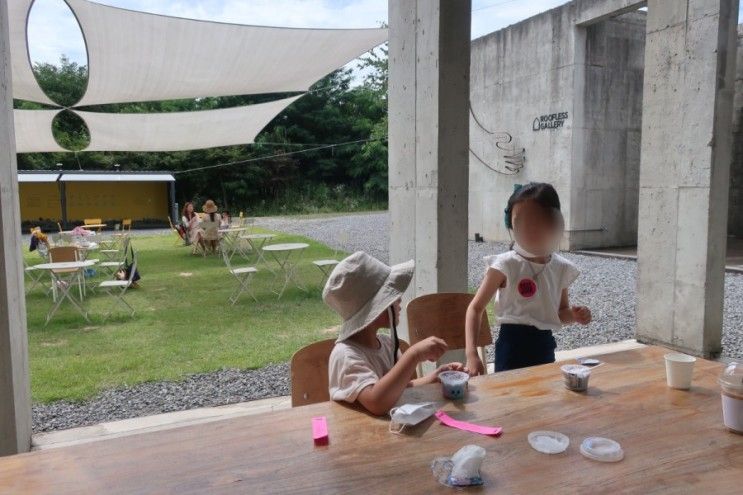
<point x="63" y="273"/>
<point x="256" y="242"/>
<point x="231" y="241"/>
<point x="282" y="254"/>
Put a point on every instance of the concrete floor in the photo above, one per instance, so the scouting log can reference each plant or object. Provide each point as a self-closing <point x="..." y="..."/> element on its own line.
<point x="733" y="263"/>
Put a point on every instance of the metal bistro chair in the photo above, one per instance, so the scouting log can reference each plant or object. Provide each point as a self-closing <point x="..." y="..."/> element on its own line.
<point x="116" y="257"/>
<point x="63" y="254"/>
<point x="242" y="274"/>
<point x="117" y="289"/>
<point x="326" y="265"/>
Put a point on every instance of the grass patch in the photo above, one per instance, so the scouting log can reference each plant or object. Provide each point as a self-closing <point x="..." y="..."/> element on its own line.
<point x="183" y="324"/>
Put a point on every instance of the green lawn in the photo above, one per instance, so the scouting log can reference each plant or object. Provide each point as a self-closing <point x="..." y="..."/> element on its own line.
<point x="183" y="324"/>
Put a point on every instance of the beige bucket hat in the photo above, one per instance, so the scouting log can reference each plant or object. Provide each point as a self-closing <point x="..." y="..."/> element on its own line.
<point x="361" y="287"/>
<point x="209" y="206"/>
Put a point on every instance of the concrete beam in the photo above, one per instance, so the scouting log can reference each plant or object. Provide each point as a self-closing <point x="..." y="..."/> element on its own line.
<point x="593" y="11"/>
<point x="429" y="140"/>
<point x="690" y="55"/>
<point x="15" y="394"/>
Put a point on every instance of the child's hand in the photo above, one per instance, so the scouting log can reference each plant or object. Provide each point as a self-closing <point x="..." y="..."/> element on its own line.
<point x="581" y="314"/>
<point x="433" y="377"/>
<point x="429" y="349"/>
<point x="474" y="365"/>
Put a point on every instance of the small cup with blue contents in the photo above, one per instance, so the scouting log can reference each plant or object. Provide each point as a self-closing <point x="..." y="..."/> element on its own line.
<point x="454" y="384"/>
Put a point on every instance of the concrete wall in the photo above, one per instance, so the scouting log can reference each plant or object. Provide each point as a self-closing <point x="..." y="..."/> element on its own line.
<point x="546" y="65"/>
<point x="518" y="74"/>
<point x="538" y="67"/>
<point x="735" y="213"/>
<point x="605" y="171"/>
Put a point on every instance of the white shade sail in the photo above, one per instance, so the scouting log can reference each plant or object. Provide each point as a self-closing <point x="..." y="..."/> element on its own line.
<point x="136" y="56"/>
<point x="174" y="131"/>
<point x="25" y="86"/>
<point x="33" y="131"/>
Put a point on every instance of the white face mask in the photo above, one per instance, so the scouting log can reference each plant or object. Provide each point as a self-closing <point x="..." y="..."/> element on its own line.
<point x="410" y="415"/>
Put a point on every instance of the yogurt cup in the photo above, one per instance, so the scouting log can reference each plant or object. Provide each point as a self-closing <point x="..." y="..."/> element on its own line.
<point x="731" y="382"/>
<point x="679" y="370"/>
<point x="576" y="377"/>
<point x="454" y="384"/>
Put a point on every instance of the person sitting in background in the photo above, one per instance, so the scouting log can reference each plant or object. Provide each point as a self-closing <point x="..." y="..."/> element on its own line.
<point x="206" y="238"/>
<point x="226" y="220"/>
<point x="190" y="222"/>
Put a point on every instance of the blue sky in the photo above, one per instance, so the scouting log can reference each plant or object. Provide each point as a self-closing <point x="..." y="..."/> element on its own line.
<point x="53" y="30"/>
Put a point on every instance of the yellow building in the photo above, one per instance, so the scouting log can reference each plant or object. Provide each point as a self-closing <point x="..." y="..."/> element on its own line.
<point x="70" y="197"/>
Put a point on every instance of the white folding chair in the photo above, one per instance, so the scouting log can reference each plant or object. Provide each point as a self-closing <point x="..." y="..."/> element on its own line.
<point x="326" y="265"/>
<point x="35" y="276"/>
<point x="243" y="275"/>
<point x="117" y="261"/>
<point x="117" y="288"/>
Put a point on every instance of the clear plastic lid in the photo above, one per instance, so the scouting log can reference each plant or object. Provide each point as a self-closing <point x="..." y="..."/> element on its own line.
<point x="548" y="442"/>
<point x="602" y="449"/>
<point x="732" y="377"/>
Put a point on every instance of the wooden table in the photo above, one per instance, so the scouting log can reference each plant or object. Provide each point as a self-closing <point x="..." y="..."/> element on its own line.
<point x="674" y="442"/>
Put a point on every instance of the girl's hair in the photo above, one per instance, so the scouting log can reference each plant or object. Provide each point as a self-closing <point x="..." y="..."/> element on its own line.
<point x="186" y="213"/>
<point x="540" y="192"/>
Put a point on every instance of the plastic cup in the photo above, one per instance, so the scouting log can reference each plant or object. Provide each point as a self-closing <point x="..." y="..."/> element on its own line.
<point x="731" y="382"/>
<point x="454" y="384"/>
<point x="679" y="370"/>
<point x="576" y="377"/>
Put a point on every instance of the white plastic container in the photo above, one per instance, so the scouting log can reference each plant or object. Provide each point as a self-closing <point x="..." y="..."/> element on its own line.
<point x="731" y="382"/>
<point x="679" y="370"/>
<point x="576" y="377"/>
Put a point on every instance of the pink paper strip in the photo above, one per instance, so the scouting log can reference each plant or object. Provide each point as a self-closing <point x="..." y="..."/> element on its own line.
<point x="320" y="430"/>
<point x="493" y="431"/>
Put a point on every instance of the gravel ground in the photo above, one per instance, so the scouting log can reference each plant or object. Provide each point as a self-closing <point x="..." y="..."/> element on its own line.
<point x="203" y="390"/>
<point x="606" y="285"/>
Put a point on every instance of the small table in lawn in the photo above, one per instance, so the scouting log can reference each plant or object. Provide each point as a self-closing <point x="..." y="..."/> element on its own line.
<point x="230" y="237"/>
<point x="256" y="242"/>
<point x="282" y="254"/>
<point x="63" y="280"/>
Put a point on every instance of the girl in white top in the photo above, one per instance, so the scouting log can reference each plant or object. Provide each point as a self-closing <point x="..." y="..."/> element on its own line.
<point x="530" y="284"/>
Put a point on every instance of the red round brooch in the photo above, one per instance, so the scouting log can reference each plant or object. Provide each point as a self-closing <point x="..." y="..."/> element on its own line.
<point x="527" y="287"/>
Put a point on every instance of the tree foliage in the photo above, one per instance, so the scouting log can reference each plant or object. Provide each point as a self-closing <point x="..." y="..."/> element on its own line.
<point x="335" y="110"/>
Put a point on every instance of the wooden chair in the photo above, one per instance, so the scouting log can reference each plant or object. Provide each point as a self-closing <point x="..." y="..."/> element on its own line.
<point x="126" y="224"/>
<point x="62" y="254"/>
<point x="179" y="241"/>
<point x="309" y="372"/>
<point x="443" y="315"/>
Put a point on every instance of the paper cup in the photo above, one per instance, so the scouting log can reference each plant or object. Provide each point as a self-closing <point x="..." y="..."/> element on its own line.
<point x="454" y="384"/>
<point x="679" y="370"/>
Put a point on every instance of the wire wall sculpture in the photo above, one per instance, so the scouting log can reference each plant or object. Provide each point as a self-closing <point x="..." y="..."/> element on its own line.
<point x="513" y="158"/>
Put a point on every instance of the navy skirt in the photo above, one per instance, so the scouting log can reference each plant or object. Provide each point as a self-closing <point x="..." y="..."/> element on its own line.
<point x="519" y="346"/>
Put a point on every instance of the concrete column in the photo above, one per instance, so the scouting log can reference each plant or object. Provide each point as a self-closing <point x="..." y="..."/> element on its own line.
<point x="684" y="172"/>
<point x="15" y="394"/>
<point x="429" y="57"/>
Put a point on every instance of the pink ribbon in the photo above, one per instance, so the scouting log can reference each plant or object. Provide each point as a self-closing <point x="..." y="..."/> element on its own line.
<point x="492" y="431"/>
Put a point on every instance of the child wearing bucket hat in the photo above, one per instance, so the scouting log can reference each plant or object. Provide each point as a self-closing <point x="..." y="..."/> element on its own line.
<point x="366" y="366"/>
